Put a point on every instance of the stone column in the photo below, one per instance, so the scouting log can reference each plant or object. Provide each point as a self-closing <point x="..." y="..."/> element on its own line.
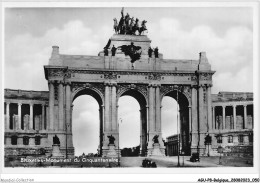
<point x="190" y="124"/>
<point x="245" y="116"/>
<point x="202" y="123"/>
<point x="194" y="112"/>
<point x="18" y="126"/>
<point x="143" y="130"/>
<point x="43" y="117"/>
<point x="246" y="139"/>
<point x="224" y="117"/>
<point x="68" y="106"/>
<point x="235" y="116"/>
<point x="8" y="116"/>
<point x="31" y="117"/>
<point x="107" y="106"/>
<point x="213" y="118"/>
<point x="114" y="107"/>
<point x="61" y="107"/>
<point x="71" y="112"/>
<point x="201" y="104"/>
<point x="101" y="121"/>
<point x="151" y="109"/>
<point x="51" y="105"/>
<point x="31" y="141"/>
<point x="158" y="109"/>
<point x="209" y="108"/>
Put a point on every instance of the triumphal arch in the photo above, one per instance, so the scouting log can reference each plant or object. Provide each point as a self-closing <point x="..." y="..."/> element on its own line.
<point x="126" y="66"/>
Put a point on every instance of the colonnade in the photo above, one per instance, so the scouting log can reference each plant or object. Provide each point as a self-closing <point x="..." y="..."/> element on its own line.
<point x="16" y="122"/>
<point x="234" y="115"/>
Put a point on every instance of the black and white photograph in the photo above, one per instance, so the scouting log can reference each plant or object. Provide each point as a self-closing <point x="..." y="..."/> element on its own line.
<point x="131" y="87"/>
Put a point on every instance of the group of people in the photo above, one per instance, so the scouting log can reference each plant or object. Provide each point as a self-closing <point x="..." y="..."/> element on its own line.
<point x="150" y="51"/>
<point x="113" y="51"/>
<point x="128" y="25"/>
<point x="155" y="50"/>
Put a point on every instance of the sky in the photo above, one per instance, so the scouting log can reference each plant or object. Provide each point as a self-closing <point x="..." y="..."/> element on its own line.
<point x="224" y="33"/>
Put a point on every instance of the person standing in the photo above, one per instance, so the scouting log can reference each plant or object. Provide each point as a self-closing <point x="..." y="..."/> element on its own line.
<point x="150" y="52"/>
<point x="156" y="52"/>
<point x="113" y="50"/>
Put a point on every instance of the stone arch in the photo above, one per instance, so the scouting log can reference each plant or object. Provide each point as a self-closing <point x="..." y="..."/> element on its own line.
<point x="140" y="94"/>
<point x="98" y="95"/>
<point x="184" y="92"/>
<point x="184" y="104"/>
<point x="141" y="98"/>
<point x="94" y="92"/>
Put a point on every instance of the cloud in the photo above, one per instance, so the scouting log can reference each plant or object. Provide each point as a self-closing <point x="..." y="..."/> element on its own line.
<point x="230" y="53"/>
<point x="25" y="54"/>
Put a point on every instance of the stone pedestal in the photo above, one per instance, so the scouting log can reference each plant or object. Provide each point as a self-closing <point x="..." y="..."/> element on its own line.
<point x="56" y="151"/>
<point x="111" y="152"/>
<point x="156" y="150"/>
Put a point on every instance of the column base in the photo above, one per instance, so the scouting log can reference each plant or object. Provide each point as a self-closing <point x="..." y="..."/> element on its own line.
<point x="156" y="150"/>
<point x="111" y="151"/>
<point x="56" y="153"/>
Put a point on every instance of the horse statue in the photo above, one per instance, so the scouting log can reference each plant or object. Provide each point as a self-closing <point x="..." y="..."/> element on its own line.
<point x="136" y="26"/>
<point x="143" y="27"/>
<point x="131" y="26"/>
<point x="116" y="28"/>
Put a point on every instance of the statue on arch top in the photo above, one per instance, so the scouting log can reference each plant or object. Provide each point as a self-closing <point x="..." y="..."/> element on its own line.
<point x="127" y="25"/>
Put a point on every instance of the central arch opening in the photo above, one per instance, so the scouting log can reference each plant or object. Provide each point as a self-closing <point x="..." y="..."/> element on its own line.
<point x="87" y="123"/>
<point x="132" y="123"/>
<point x="129" y="126"/>
<point x="175" y="123"/>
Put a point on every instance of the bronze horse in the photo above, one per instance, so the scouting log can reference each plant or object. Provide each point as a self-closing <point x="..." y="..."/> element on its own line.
<point x="116" y="28"/>
<point x="143" y="27"/>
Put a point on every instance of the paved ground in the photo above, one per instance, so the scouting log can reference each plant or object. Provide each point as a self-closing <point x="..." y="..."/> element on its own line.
<point x="185" y="162"/>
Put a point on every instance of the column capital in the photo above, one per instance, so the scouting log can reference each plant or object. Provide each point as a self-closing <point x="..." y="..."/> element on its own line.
<point x="60" y="82"/>
<point x="194" y="86"/>
<point x="157" y="85"/>
<point x="208" y="85"/>
<point x="245" y="105"/>
<point x="67" y="82"/>
<point x="31" y="104"/>
<point x="51" y="81"/>
<point x="201" y="86"/>
<point x="19" y="104"/>
<point x="152" y="85"/>
<point x="113" y="84"/>
<point x="7" y="103"/>
<point x="106" y="83"/>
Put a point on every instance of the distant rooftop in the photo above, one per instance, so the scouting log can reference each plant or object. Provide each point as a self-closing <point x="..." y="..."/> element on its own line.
<point x="26" y="94"/>
<point x="232" y="96"/>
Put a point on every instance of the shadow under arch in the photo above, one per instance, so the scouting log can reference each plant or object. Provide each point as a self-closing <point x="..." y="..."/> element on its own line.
<point x="141" y="99"/>
<point x="184" y="118"/>
<point x="99" y="98"/>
